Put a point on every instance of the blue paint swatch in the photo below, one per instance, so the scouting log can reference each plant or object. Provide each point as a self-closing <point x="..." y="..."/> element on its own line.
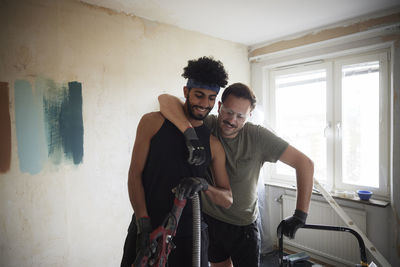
<point x="64" y="123"/>
<point x="71" y="123"/>
<point x="51" y="113"/>
<point x="52" y="100"/>
<point x="29" y="126"/>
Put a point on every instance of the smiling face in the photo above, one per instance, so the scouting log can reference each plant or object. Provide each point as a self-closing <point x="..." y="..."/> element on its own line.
<point x="199" y="102"/>
<point x="233" y="114"/>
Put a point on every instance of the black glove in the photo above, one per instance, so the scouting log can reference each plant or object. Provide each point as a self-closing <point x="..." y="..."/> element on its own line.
<point x="197" y="153"/>
<point x="143" y="233"/>
<point x="191" y="185"/>
<point x="290" y="225"/>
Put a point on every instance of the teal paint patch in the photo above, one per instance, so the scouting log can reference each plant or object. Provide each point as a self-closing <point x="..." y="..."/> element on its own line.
<point x="29" y="127"/>
<point x="71" y="123"/>
<point x="64" y="124"/>
<point x="53" y="98"/>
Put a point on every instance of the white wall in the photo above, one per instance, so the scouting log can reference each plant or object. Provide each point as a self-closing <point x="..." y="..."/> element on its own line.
<point x="394" y="230"/>
<point x="77" y="215"/>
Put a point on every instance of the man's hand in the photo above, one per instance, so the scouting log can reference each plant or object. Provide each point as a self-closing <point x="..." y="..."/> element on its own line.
<point x="189" y="186"/>
<point x="290" y="225"/>
<point x="143" y="233"/>
<point x="197" y="153"/>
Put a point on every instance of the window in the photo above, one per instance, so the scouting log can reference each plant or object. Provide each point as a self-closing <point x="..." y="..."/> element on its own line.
<point x="336" y="112"/>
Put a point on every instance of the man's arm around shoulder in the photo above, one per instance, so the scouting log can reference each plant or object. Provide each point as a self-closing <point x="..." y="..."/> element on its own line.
<point x="172" y="109"/>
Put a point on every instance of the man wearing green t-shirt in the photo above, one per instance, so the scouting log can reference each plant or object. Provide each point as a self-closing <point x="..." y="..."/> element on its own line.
<point x="233" y="232"/>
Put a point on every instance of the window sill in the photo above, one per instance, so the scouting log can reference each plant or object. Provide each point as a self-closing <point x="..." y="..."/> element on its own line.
<point x="372" y="202"/>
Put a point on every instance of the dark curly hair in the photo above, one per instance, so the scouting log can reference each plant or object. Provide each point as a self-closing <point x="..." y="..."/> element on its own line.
<point x="206" y="70"/>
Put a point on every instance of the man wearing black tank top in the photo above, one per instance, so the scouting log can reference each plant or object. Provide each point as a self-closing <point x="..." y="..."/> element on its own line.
<point x="163" y="158"/>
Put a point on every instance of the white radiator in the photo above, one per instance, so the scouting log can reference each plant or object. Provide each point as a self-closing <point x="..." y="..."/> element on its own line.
<point x="340" y="247"/>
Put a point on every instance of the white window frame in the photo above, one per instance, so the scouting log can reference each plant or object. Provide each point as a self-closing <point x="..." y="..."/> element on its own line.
<point x="384" y="121"/>
<point x="333" y="117"/>
<point x="274" y="176"/>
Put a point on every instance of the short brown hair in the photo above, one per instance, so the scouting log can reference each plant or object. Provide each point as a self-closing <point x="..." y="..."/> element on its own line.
<point x="240" y="90"/>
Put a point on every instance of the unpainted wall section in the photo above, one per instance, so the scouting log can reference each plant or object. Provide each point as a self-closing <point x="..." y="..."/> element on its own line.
<point x="77" y="213"/>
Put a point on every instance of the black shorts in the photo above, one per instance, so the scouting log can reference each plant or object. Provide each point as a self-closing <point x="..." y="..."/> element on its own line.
<point x="240" y="243"/>
<point x="181" y="256"/>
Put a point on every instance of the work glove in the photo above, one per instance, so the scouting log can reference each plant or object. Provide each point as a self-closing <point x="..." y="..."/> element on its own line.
<point x="143" y="233"/>
<point x="197" y="153"/>
<point x="290" y="225"/>
<point x="191" y="185"/>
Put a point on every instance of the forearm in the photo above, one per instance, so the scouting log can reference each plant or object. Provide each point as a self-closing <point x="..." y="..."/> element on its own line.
<point x="220" y="193"/>
<point x="137" y="196"/>
<point x="304" y="177"/>
<point x="172" y="109"/>
<point x="220" y="196"/>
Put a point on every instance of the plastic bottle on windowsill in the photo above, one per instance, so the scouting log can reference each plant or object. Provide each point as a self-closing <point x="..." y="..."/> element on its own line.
<point x="345" y="194"/>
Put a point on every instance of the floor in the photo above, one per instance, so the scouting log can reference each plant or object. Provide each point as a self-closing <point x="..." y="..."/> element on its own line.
<point x="272" y="260"/>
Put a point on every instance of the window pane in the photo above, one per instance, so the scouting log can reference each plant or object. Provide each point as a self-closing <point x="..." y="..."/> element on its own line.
<point x="301" y="117"/>
<point x="360" y="124"/>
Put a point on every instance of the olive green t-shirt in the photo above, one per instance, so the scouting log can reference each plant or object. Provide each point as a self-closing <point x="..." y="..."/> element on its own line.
<point x="245" y="155"/>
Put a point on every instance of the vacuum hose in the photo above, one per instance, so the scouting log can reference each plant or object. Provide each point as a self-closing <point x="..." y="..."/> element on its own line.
<point x="196" y="231"/>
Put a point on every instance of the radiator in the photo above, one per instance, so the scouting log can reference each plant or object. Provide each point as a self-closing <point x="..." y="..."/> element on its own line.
<point x="338" y="247"/>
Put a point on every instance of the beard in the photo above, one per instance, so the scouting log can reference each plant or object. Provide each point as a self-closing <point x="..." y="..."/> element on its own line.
<point x="191" y="114"/>
<point x="228" y="129"/>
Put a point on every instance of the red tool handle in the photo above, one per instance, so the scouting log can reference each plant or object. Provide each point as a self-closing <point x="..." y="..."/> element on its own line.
<point x="156" y="254"/>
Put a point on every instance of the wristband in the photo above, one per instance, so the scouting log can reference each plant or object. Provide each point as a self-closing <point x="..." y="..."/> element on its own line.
<point x="301" y="215"/>
<point x="143" y="224"/>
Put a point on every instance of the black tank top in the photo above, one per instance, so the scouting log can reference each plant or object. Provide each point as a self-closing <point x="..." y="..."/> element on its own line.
<point x="166" y="165"/>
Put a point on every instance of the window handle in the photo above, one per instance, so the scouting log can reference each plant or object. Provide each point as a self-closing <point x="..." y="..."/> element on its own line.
<point x="328" y="129"/>
<point x="339" y="129"/>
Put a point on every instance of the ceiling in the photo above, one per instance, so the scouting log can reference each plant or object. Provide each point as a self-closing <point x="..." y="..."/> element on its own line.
<point x="249" y="22"/>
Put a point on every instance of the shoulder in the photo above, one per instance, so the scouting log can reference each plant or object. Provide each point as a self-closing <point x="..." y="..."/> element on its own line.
<point x="252" y="127"/>
<point x="214" y="140"/>
<point x="270" y="145"/>
<point x="262" y="136"/>
<point x="151" y="122"/>
<point x="257" y="130"/>
<point x="153" y="116"/>
<point x="210" y="121"/>
<point x="216" y="146"/>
